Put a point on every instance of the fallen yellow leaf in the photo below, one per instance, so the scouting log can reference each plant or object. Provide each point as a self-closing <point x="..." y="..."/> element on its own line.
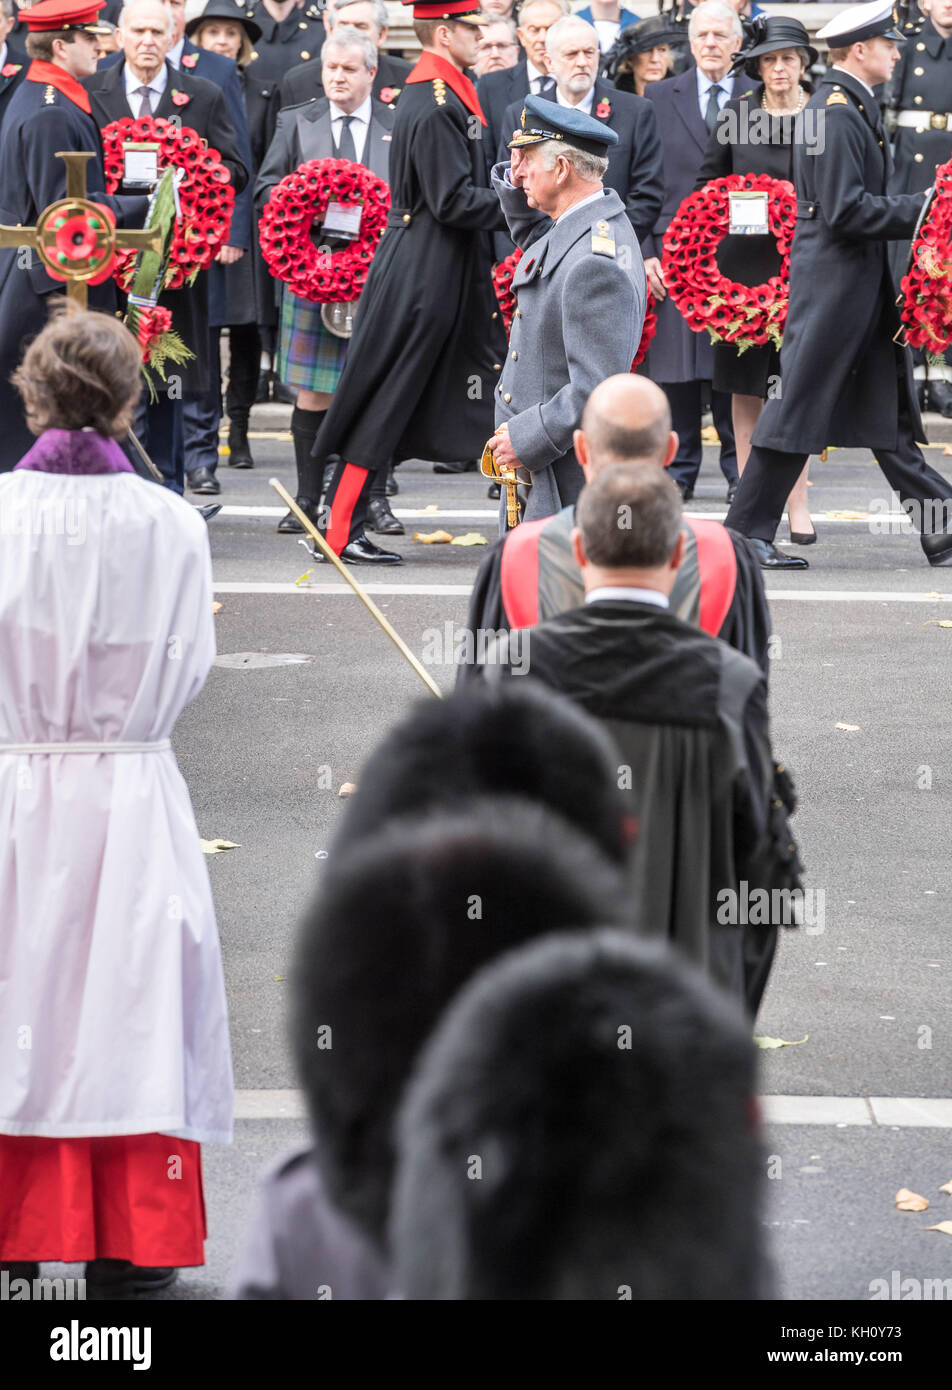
<point x="216" y="846"/>
<point x="850" y="728"/>
<point x="709" y="435"/>
<point x="947" y="450"/>
<point x="474" y="538"/>
<point x="433" y="537"/>
<point x="347" y="789"/>
<point x="937" y="622"/>
<point x="910" y="1201"/>
<point x="848" y="515"/>
<point x="767" y="1043"/>
<point x="216" y="607"/>
<point x="947" y="1187"/>
<point x="944" y="1226"/>
<point x="431" y="507"/>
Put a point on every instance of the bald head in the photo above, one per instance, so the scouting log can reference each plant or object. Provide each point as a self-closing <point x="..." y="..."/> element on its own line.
<point x="626" y="419"/>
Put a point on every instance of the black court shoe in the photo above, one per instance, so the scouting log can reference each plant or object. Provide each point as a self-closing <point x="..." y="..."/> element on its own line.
<point x="803" y="537"/>
<point x="770" y="558"/>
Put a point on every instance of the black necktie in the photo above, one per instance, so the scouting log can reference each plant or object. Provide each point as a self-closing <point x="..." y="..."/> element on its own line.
<point x="710" y="115"/>
<point x="346" y="149"/>
<point x="543" y="85"/>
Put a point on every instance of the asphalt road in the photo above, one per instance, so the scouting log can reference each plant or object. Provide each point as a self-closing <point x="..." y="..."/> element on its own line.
<point x="265" y="748"/>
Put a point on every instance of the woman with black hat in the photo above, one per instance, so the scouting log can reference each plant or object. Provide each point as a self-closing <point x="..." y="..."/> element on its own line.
<point x="777" y="54"/>
<point x="249" y="304"/>
<point x="642" y="54"/>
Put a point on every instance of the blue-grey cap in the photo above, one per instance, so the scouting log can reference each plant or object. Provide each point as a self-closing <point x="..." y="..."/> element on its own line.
<point x="546" y="120"/>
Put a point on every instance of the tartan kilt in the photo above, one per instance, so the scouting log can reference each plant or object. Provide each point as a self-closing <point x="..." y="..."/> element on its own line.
<point x="309" y="357"/>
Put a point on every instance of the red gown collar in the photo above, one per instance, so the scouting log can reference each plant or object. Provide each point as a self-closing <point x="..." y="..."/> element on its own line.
<point x="431" y="66"/>
<point x="59" y="78"/>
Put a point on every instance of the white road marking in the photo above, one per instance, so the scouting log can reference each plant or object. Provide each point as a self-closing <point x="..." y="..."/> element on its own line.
<point x="792" y="595"/>
<point x="418" y="513"/>
<point x="408" y="513"/>
<point x="849" y="1111"/>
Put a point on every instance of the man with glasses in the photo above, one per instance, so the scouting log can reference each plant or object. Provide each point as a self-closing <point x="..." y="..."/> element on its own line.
<point x="527" y="77"/>
<point x="498" y="47"/>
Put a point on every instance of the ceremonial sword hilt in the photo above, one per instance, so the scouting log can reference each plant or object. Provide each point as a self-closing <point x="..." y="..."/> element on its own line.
<point x="509" y="479"/>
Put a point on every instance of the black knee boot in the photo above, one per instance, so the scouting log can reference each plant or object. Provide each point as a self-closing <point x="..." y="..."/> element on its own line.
<point x="239" y="450"/>
<point x="304" y="427"/>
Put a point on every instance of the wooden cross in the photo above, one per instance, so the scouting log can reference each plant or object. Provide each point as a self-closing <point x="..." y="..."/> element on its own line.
<point x="73" y="239"/>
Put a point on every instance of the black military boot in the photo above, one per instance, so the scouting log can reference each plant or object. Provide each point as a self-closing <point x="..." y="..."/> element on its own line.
<point x="239" y="450"/>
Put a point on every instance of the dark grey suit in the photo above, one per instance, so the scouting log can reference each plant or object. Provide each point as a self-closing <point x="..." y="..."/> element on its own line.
<point x="304" y="132"/>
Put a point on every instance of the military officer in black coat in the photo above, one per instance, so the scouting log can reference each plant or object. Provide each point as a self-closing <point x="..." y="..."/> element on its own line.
<point x="48" y="113"/>
<point x="635" y="163"/>
<point x="919" y="118"/>
<point x="13" y="63"/>
<point x="115" y="92"/>
<point x="844" y="381"/>
<point x="290" y="34"/>
<point x="303" y="83"/>
<point x="428" y="346"/>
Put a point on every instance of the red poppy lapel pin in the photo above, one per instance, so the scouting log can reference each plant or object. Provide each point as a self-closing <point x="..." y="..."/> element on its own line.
<point x="603" y="110"/>
<point x="180" y="98"/>
<point x="389" y="94"/>
<point x="189" y="60"/>
<point x="10" y="69"/>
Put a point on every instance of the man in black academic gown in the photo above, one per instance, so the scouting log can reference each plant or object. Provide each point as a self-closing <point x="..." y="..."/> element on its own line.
<point x="48" y="113"/>
<point x="688" y="714"/>
<point x="428" y="346"/>
<point x="13" y="63"/>
<point x="117" y="92"/>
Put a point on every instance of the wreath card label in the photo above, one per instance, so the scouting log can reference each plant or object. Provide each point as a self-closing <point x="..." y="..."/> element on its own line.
<point x="140" y="164"/>
<point x="748" y="213"/>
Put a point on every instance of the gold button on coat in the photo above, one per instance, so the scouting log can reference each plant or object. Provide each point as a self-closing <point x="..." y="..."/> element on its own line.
<point x="406" y="217"/>
<point x="507" y="398"/>
<point x="515" y="357"/>
<point x="918" y="158"/>
<point x="917" y="100"/>
<point x="919" y="72"/>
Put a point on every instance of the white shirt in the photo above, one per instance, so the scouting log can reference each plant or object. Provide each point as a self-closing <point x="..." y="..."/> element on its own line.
<point x="704" y="85"/>
<point x="607" y="31"/>
<point x="869" y="89"/>
<point x="174" y="55"/>
<point x="532" y="72"/>
<point x="3" y="54"/>
<point x="584" y="202"/>
<point x="584" y="105"/>
<point x="156" y="85"/>
<point x="610" y="593"/>
<point x="360" y="121"/>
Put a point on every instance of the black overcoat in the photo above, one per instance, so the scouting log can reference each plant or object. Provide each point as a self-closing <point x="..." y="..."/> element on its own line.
<point x="41" y="121"/>
<point x="428" y="344"/>
<point x="10" y="83"/>
<point x="677" y="353"/>
<point x="841" y="373"/>
<point x="921" y="81"/>
<point x="206" y="112"/>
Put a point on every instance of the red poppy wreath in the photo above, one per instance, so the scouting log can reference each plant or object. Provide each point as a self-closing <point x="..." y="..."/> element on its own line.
<point x="506" y="298"/>
<point x="206" y="195"/>
<point x="745" y="315"/>
<point x="926" y="305"/>
<point x="299" y="202"/>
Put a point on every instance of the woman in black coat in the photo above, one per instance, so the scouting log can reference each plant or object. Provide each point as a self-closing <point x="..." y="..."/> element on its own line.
<point x="777" y="54"/>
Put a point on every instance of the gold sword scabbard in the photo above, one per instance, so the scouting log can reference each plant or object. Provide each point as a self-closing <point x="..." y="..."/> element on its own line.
<point x="508" y="478"/>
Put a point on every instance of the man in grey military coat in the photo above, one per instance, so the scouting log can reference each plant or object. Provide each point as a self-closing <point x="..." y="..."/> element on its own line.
<point x="581" y="295"/>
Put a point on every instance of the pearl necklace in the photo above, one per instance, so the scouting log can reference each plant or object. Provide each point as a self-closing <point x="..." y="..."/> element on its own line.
<point x="799" y="107"/>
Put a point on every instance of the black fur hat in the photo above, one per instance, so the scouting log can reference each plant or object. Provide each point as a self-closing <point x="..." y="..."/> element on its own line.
<point x="581" y="1125"/>
<point x="402" y="922"/>
<point x="516" y="739"/>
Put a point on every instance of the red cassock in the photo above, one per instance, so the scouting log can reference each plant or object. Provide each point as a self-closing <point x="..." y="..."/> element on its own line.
<point x="131" y="1197"/>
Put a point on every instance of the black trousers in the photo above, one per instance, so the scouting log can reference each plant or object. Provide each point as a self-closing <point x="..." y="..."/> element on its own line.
<point x="770" y="474"/>
<point x="684" y="398"/>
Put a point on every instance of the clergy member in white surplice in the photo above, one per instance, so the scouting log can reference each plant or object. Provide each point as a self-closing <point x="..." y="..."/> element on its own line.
<point x="114" y="1053"/>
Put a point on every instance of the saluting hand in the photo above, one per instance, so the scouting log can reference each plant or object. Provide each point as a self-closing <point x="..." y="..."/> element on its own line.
<point x="517" y="159"/>
<point x="655" y="278"/>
